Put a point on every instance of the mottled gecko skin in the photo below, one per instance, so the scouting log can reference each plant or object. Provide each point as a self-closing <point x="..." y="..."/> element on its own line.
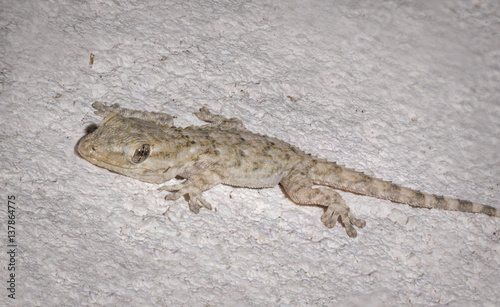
<point x="146" y="146"/>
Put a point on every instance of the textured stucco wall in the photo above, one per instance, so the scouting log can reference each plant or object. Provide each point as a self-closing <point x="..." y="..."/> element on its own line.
<point x="408" y="92"/>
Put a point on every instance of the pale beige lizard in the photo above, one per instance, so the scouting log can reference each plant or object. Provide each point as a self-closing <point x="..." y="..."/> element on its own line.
<point x="146" y="146"/>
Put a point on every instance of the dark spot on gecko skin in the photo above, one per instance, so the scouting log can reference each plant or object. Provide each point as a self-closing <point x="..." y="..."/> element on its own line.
<point x="337" y="170"/>
<point x="419" y="197"/>
<point x="241" y="153"/>
<point x="265" y="152"/>
<point x="211" y="152"/>
<point x="362" y="183"/>
<point x="464" y="206"/>
<point x="488" y="210"/>
<point x="394" y="189"/>
<point x="366" y="180"/>
<point x="256" y="166"/>
<point x="440" y="202"/>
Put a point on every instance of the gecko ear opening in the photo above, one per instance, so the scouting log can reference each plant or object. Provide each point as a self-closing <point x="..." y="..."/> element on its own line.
<point x="141" y="153"/>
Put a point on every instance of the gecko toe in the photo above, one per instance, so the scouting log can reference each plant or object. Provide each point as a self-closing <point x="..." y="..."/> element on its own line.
<point x="170" y="188"/>
<point x="329" y="219"/>
<point x="196" y="201"/>
<point x="351" y="232"/>
<point x="205" y="203"/>
<point x="348" y="218"/>
<point x="194" y="207"/>
<point x="349" y="221"/>
<point x="173" y="196"/>
<point x="358" y="222"/>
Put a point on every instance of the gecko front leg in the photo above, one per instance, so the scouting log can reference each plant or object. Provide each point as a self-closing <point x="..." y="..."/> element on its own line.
<point x="162" y="119"/>
<point x="194" y="187"/>
<point x="219" y="121"/>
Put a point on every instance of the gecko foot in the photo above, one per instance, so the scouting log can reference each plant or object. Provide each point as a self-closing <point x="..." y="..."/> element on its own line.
<point x="196" y="200"/>
<point x="333" y="212"/>
<point x="104" y="110"/>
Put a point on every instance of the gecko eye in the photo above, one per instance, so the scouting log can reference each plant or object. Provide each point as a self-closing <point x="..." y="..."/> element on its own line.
<point x="141" y="153"/>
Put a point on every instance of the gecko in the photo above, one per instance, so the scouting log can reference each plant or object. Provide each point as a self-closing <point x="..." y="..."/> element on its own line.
<point x="148" y="147"/>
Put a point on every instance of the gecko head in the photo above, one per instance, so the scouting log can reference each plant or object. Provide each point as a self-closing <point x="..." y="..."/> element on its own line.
<point x="122" y="145"/>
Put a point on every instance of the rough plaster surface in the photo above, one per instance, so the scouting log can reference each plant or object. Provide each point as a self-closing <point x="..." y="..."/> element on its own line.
<point x="405" y="91"/>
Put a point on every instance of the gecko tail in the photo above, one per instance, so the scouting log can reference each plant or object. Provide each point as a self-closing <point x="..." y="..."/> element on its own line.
<point x="339" y="177"/>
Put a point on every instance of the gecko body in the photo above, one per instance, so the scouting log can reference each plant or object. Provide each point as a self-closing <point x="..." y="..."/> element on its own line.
<point x="146" y="146"/>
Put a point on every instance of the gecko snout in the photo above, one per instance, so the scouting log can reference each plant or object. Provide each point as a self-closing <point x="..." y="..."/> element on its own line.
<point x="85" y="147"/>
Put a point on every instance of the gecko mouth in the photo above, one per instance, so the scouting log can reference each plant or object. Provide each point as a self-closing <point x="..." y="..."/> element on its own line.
<point x="87" y="151"/>
<point x="103" y="164"/>
<point x="148" y="175"/>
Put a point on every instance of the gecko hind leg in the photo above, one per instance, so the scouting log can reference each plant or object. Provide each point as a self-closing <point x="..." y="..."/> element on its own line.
<point x="299" y="187"/>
